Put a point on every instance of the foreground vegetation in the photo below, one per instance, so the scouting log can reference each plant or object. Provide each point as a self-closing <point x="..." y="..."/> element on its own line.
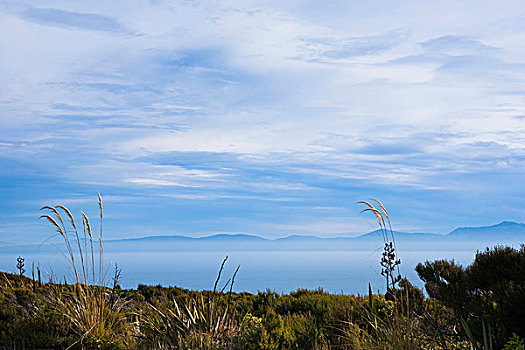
<point x="51" y="315"/>
<point x="481" y="306"/>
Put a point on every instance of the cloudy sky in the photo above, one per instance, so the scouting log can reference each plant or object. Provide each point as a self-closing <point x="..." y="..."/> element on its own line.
<point x="270" y="118"/>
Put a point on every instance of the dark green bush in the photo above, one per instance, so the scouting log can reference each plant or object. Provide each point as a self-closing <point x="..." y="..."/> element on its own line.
<point x="491" y="290"/>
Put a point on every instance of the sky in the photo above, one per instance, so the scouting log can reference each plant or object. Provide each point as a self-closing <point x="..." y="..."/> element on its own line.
<point x="270" y="118"/>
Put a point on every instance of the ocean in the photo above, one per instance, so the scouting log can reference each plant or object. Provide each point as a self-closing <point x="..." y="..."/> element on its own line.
<point x="279" y="271"/>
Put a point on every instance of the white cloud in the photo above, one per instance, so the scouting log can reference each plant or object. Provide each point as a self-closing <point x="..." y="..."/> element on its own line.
<point x="377" y="94"/>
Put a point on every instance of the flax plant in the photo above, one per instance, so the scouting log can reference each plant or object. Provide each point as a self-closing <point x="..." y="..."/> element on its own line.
<point x="203" y="322"/>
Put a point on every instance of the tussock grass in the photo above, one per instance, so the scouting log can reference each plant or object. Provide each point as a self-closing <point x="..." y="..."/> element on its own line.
<point x="96" y="320"/>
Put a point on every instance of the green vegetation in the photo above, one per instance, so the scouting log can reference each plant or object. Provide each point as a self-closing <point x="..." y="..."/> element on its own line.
<point x="36" y="315"/>
<point x="155" y="317"/>
<point x="481" y="306"/>
<point x="488" y="295"/>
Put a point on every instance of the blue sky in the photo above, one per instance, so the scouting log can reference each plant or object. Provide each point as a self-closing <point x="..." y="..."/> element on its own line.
<point x="270" y="118"/>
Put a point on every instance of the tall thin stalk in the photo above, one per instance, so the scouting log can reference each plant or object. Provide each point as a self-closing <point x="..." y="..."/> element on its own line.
<point x="88" y="309"/>
<point x="389" y="262"/>
<point x="400" y="326"/>
<point x="212" y="304"/>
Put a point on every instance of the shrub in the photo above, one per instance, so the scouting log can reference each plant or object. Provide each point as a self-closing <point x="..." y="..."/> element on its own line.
<point x="491" y="290"/>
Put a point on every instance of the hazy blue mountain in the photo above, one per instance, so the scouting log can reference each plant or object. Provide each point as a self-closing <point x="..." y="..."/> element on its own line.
<point x="299" y="238"/>
<point x="232" y="237"/>
<point x="502" y="232"/>
<point x="219" y="242"/>
<point x="461" y="239"/>
<point x="400" y="236"/>
<point x="154" y="238"/>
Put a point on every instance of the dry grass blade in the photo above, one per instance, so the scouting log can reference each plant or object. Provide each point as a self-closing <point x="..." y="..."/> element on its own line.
<point x="53" y="222"/>
<point x="95" y="315"/>
<point x="100" y="263"/>
<point x="385" y="212"/>
<point x="59" y="217"/>
<point x="87" y="227"/>
<point x="101" y="212"/>
<point x="64" y="234"/>
<point x="66" y="210"/>
<point x="366" y="203"/>
<point x="380" y="221"/>
<point x="53" y="209"/>
<point x="48" y="207"/>
<point x="72" y="220"/>
<point x="382" y="207"/>
<point x="389" y="264"/>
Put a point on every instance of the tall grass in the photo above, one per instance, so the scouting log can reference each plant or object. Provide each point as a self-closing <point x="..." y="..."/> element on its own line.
<point x="97" y="322"/>
<point x="398" y="329"/>
<point x="389" y="262"/>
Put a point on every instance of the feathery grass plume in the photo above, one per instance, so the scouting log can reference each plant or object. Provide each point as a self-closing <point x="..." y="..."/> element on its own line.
<point x="389" y="262"/>
<point x="101" y="212"/>
<point x="63" y="232"/>
<point x="385" y="212"/>
<point x="379" y="217"/>
<point x="87" y="229"/>
<point x="66" y="210"/>
<point x="53" y="222"/>
<point x="398" y="329"/>
<point x="80" y="253"/>
<point x="96" y="316"/>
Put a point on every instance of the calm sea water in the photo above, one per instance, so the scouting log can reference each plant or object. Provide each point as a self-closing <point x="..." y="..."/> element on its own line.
<point x="336" y="272"/>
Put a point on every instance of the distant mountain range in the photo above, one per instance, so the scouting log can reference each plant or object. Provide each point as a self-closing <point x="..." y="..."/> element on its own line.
<point x="507" y="230"/>
<point x="461" y="239"/>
